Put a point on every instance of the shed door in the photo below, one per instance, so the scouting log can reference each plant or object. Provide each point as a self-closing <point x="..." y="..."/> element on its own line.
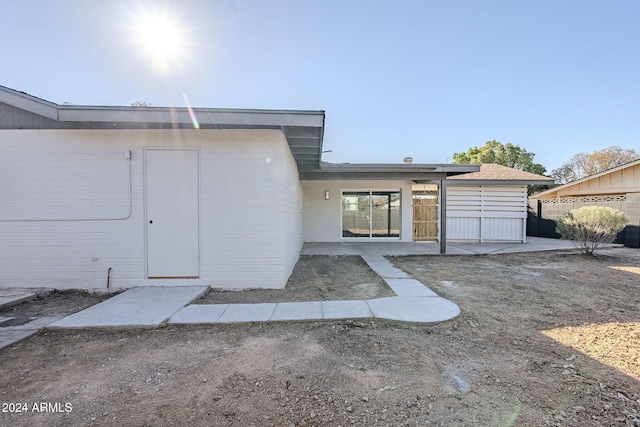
<point x="172" y="213"/>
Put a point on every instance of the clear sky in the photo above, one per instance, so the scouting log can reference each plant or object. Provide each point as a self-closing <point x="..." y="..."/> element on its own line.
<point x="418" y="78"/>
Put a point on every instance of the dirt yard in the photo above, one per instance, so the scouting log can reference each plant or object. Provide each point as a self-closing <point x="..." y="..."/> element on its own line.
<point x="56" y="303"/>
<point x="544" y="339"/>
<point x="314" y="278"/>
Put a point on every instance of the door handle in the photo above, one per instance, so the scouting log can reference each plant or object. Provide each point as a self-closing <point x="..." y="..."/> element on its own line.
<point x="150" y="222"/>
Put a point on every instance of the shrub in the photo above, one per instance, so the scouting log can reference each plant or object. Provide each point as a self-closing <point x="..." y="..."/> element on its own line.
<point x="591" y="226"/>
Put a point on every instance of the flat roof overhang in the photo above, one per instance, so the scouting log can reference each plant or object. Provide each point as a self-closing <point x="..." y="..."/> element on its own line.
<point x="385" y="171"/>
<point x="205" y="116"/>
<point x="303" y="129"/>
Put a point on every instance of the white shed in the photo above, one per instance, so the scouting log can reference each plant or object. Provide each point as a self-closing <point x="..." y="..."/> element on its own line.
<point x="490" y="205"/>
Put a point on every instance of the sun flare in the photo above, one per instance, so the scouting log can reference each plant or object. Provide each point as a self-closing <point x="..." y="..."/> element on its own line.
<point x="161" y="39"/>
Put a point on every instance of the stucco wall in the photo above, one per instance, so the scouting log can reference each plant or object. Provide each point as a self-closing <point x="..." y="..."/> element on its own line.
<point x="72" y="206"/>
<point x="322" y="218"/>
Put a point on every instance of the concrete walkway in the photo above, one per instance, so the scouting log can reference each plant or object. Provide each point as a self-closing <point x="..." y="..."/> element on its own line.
<point x="414" y="303"/>
<point x="151" y="306"/>
<point x="146" y="306"/>
<point x="11" y="297"/>
<point x="10" y="335"/>
<point x="14" y="329"/>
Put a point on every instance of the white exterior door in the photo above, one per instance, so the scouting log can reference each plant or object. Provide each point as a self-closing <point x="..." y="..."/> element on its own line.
<point x="172" y="213"/>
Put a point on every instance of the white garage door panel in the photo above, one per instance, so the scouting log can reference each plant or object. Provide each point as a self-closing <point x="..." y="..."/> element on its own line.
<point x="502" y="228"/>
<point x="172" y="213"/>
<point x="463" y="228"/>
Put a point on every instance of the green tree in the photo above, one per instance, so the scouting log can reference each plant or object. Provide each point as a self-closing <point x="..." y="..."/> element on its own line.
<point x="581" y="165"/>
<point x="591" y="226"/>
<point x="508" y="154"/>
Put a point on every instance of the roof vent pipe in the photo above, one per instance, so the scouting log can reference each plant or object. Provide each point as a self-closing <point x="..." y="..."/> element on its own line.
<point x="408" y="160"/>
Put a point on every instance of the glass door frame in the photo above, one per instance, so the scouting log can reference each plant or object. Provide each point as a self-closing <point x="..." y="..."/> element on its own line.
<point x="370" y="194"/>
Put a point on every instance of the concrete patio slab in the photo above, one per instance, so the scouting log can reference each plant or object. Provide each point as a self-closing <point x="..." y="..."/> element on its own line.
<point x="144" y="306"/>
<point x="411" y="309"/>
<point x="198" y="313"/>
<point x="533" y="244"/>
<point x="298" y="311"/>
<point x="345" y="309"/>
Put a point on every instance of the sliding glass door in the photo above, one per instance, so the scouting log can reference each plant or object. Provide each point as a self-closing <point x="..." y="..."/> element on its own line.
<point x="371" y="214"/>
<point x="385" y="214"/>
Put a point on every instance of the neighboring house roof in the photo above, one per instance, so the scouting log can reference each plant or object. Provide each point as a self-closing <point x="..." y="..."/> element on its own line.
<point x="304" y="131"/>
<point x="497" y="174"/>
<point x="618" y="180"/>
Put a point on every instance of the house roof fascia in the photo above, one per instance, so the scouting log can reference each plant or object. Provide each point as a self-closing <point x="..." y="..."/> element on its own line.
<point x="121" y="114"/>
<point x="306" y="175"/>
<point x="204" y="116"/>
<point x="303" y="129"/>
<point x="294" y="124"/>
<point x="29" y="103"/>
<point x="385" y="171"/>
<point x="402" y="168"/>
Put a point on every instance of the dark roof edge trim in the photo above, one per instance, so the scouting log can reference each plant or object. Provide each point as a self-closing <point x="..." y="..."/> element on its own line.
<point x="451" y="169"/>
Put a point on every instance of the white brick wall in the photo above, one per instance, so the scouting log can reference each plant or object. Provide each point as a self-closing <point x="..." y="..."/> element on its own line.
<point x="42" y="243"/>
<point x="65" y="214"/>
<point x="292" y="213"/>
